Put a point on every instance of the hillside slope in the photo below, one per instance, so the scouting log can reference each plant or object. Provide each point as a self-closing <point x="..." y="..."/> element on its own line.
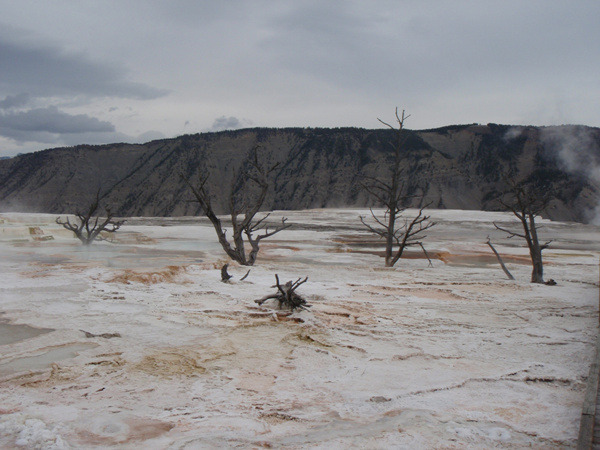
<point x="457" y="167"/>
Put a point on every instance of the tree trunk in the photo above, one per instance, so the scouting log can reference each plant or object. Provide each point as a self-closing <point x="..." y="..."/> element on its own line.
<point x="526" y="202"/>
<point x="389" y="239"/>
<point x="537" y="274"/>
<point x="535" y="251"/>
<point x="225" y="277"/>
<point x="253" y="253"/>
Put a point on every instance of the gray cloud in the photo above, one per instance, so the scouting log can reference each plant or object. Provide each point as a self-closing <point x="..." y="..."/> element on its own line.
<point x="328" y="40"/>
<point x="15" y="101"/>
<point x="43" y="124"/>
<point x="44" y="70"/>
<point x="416" y="51"/>
<point x="51" y="126"/>
<point x="42" y="73"/>
<point x="304" y="62"/>
<point x="148" y="136"/>
<point x="53" y="120"/>
<point x="194" y="13"/>
<point x="93" y="138"/>
<point x="225" y="123"/>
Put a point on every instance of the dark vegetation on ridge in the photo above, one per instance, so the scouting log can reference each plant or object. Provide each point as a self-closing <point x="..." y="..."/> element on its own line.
<point x="457" y="166"/>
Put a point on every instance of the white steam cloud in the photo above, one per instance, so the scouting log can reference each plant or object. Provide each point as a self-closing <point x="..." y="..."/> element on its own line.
<point x="578" y="151"/>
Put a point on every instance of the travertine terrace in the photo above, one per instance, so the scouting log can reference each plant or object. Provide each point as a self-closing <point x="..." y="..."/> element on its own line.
<point x="138" y="343"/>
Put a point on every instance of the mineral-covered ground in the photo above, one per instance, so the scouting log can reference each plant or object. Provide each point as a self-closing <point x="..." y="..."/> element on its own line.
<point x="137" y="343"/>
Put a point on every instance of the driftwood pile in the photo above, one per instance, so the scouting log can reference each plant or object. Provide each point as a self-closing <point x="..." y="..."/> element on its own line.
<point x="286" y="295"/>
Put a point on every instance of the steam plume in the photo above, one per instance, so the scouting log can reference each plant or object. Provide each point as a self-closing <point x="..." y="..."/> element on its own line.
<point x="578" y="151"/>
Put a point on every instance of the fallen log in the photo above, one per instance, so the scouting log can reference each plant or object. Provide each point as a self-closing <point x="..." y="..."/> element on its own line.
<point x="508" y="274"/>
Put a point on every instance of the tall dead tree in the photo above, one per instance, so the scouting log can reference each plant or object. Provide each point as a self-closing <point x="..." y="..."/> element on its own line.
<point x="526" y="201"/>
<point x="91" y="225"/>
<point x="397" y="232"/>
<point x="242" y="209"/>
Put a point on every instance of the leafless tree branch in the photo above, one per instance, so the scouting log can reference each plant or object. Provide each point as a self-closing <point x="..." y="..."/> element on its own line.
<point x="391" y="193"/>
<point x="244" y="227"/>
<point x="526" y="201"/>
<point x="90" y="226"/>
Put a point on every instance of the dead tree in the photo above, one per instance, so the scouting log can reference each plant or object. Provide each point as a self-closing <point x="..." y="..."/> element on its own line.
<point x="286" y="295"/>
<point x="526" y="202"/>
<point x="397" y="232"/>
<point x="91" y="225"/>
<point x="244" y="227"/>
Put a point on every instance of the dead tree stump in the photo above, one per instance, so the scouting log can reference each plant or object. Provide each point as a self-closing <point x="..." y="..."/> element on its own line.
<point x="286" y="295"/>
<point x="225" y="277"/>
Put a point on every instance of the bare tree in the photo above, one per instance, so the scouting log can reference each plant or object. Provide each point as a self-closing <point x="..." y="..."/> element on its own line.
<point x="397" y="232"/>
<point x="526" y="201"/>
<point x="91" y="225"/>
<point x="244" y="227"/>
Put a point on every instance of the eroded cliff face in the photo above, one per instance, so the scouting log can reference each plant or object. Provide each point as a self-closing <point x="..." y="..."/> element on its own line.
<point x="456" y="167"/>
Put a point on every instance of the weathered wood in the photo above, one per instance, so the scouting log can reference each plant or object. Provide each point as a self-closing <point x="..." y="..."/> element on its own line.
<point x="426" y="254"/>
<point x="286" y="294"/>
<point x="245" y="276"/>
<point x="225" y="277"/>
<point x="506" y="271"/>
<point x="260" y="301"/>
<point x="102" y="335"/>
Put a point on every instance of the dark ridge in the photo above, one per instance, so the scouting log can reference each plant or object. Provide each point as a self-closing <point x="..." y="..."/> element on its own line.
<point x="456" y="166"/>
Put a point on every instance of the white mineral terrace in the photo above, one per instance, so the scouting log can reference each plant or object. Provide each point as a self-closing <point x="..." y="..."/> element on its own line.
<point x="138" y="344"/>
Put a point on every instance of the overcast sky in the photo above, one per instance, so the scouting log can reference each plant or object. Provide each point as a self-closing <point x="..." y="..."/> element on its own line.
<point x="75" y="72"/>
